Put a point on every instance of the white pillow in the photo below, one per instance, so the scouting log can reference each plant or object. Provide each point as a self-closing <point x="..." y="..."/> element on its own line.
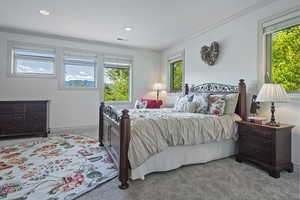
<point x="185" y="104"/>
<point x="231" y="101"/>
<point x="202" y="103"/>
<point x="140" y="104"/>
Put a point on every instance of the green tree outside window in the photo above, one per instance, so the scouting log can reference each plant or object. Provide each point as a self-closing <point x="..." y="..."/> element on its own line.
<point x="116" y="84"/>
<point x="176" y="76"/>
<point x="286" y="58"/>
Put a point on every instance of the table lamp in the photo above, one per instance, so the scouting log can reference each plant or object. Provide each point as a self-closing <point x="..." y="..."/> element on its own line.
<point x="157" y="87"/>
<point x="272" y="93"/>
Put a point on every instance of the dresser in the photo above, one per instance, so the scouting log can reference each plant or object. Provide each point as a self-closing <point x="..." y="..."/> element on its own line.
<point x="23" y="118"/>
<point x="266" y="146"/>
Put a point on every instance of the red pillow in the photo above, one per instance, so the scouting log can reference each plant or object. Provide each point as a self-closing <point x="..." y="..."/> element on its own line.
<point x="152" y="103"/>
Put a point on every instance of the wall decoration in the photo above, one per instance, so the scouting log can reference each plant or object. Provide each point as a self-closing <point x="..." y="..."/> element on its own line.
<point x="210" y="54"/>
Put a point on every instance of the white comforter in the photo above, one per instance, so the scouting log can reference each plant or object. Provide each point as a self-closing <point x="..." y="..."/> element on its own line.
<point x="154" y="130"/>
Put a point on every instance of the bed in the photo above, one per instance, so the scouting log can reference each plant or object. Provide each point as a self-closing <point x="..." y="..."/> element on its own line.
<point x="136" y="139"/>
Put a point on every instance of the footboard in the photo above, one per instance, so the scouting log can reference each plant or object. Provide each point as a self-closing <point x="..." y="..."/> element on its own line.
<point x="114" y="134"/>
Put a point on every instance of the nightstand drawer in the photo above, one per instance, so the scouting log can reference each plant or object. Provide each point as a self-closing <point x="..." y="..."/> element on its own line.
<point x="255" y="131"/>
<point x="263" y="143"/>
<point x="256" y="152"/>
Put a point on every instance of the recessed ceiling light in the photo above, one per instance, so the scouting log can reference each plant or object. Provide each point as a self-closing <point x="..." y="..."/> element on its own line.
<point x="45" y="12"/>
<point x="128" y="28"/>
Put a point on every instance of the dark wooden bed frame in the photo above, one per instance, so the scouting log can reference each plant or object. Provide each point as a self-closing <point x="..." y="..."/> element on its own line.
<point x="114" y="129"/>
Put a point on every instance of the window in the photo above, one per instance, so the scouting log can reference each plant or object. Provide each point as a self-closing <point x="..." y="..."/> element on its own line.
<point x="32" y="62"/>
<point x="283" y="54"/>
<point x="176" y="70"/>
<point x="117" y="79"/>
<point x="176" y="76"/>
<point x="79" y="71"/>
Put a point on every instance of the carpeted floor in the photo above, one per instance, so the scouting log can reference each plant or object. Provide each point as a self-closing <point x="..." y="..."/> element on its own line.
<point x="218" y="180"/>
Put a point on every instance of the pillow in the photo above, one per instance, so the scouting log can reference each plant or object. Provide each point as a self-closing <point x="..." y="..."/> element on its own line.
<point x="152" y="103"/>
<point x="231" y="101"/>
<point x="216" y="104"/>
<point x="140" y="104"/>
<point x="188" y="107"/>
<point x="185" y="104"/>
<point x="202" y="103"/>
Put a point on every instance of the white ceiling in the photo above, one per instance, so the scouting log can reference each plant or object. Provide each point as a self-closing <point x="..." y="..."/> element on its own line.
<point x="157" y="23"/>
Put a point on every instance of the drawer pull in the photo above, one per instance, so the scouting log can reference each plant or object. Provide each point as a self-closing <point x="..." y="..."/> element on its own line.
<point x="266" y="142"/>
<point x="256" y="151"/>
<point x="20" y="116"/>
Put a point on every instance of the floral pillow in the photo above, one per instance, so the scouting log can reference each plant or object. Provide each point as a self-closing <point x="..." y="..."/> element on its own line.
<point x="216" y="104"/>
<point x="140" y="104"/>
<point x="202" y="103"/>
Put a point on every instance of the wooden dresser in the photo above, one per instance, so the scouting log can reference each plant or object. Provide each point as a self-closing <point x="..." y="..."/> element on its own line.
<point x="23" y="118"/>
<point x="267" y="146"/>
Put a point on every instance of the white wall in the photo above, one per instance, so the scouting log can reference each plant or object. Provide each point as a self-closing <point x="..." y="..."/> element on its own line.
<point x="238" y="59"/>
<point x="73" y="108"/>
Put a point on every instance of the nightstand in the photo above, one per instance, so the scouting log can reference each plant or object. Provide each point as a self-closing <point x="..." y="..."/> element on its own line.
<point x="267" y="146"/>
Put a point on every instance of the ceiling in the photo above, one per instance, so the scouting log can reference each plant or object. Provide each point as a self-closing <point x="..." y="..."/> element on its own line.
<point x="156" y="24"/>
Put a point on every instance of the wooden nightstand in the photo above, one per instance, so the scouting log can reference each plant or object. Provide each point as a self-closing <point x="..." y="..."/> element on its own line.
<point x="267" y="146"/>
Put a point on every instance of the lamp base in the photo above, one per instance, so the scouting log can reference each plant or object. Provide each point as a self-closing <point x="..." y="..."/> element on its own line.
<point x="273" y="122"/>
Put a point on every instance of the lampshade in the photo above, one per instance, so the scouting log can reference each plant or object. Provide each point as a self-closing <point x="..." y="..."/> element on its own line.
<point x="157" y="86"/>
<point x="272" y="93"/>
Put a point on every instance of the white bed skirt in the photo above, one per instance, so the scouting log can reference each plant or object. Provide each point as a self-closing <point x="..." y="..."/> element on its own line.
<point x="177" y="156"/>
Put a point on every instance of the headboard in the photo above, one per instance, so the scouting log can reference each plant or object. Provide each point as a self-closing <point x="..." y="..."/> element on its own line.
<point x="217" y="88"/>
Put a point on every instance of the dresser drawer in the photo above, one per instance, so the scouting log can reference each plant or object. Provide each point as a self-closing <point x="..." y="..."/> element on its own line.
<point x="256" y="152"/>
<point x="10" y="108"/>
<point x="260" y="142"/>
<point x="6" y="108"/>
<point x="255" y="131"/>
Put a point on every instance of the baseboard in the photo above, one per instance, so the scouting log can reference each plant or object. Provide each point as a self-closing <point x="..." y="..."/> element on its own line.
<point x="74" y="129"/>
<point x="297" y="167"/>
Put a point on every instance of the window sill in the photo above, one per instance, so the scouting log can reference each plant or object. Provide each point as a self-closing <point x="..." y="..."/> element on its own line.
<point x="14" y="75"/>
<point x="294" y="97"/>
<point x="173" y="93"/>
<point x="78" y="88"/>
<point x="117" y="102"/>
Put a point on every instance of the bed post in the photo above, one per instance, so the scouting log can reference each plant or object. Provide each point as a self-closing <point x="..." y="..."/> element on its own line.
<point x="124" y="145"/>
<point x="186" y="89"/>
<point x="101" y="123"/>
<point x="242" y="106"/>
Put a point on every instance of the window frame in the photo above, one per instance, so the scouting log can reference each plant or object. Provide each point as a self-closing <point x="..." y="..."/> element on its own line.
<point x="268" y="55"/>
<point x="72" y="53"/>
<point x="130" y="81"/>
<point x="179" y="56"/>
<point x="262" y="45"/>
<point x="12" y="46"/>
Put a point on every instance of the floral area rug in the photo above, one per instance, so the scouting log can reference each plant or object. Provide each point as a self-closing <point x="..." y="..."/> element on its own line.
<point x="55" y="168"/>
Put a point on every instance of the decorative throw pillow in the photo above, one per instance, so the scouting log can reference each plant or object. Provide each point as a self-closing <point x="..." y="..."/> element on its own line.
<point x="231" y="101"/>
<point x="202" y="103"/>
<point x="185" y="104"/>
<point x="188" y="107"/>
<point x="152" y="103"/>
<point x="140" y="104"/>
<point x="216" y="104"/>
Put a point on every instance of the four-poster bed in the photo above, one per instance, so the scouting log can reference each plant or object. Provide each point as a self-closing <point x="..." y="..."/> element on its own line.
<point x="115" y="128"/>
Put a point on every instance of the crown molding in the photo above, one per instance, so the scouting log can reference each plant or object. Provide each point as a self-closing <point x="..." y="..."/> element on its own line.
<point x="222" y="22"/>
<point x="7" y="29"/>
